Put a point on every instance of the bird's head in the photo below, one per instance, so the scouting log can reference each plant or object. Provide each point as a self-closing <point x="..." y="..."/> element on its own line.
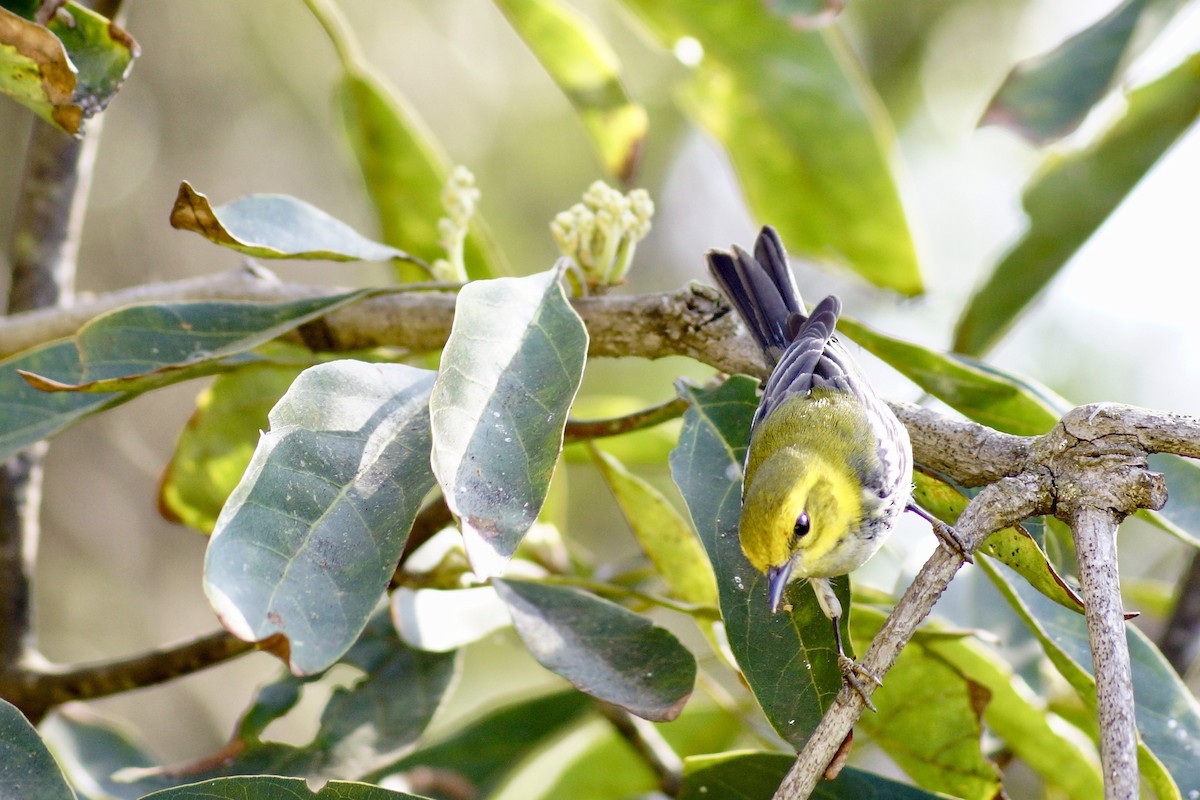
<point x="799" y="514"/>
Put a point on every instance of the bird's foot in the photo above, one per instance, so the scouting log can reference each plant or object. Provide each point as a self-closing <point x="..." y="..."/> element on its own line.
<point x="855" y="676"/>
<point x="946" y="534"/>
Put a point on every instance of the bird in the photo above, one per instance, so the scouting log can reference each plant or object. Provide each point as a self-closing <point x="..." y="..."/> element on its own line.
<point x="828" y="470"/>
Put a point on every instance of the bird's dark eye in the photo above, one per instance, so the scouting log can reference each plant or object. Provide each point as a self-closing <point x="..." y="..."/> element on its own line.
<point x="802" y="526"/>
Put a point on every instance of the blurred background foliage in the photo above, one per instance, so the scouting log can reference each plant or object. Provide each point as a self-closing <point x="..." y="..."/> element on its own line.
<point x="240" y="98"/>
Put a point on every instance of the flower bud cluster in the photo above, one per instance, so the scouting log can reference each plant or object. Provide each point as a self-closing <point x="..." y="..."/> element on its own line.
<point x="601" y="233"/>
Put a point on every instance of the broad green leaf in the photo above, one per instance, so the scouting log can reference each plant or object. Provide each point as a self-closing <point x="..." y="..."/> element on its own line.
<point x="583" y="65"/>
<point x="930" y="715"/>
<point x="272" y="701"/>
<point x="273" y="788"/>
<point x="27" y="770"/>
<point x="275" y="226"/>
<point x="609" y="768"/>
<point x="805" y="133"/>
<point x="930" y="724"/>
<point x="1048" y="96"/>
<point x="91" y="750"/>
<point x="509" y="372"/>
<point x="28" y="415"/>
<point x="601" y="648"/>
<point x="310" y="537"/>
<point x="404" y="172"/>
<point x="1016" y="715"/>
<point x="215" y="447"/>
<point x="65" y="71"/>
<point x="788" y="660"/>
<point x="1073" y="196"/>
<point x="969" y="387"/>
<point x="754" y="775"/>
<point x="1012" y="546"/>
<point x="484" y="751"/>
<point x="142" y="347"/>
<point x="665" y="536"/>
<point x="376" y="720"/>
<point x="1168" y="716"/>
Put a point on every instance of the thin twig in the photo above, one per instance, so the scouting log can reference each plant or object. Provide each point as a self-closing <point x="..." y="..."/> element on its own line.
<point x="649" y="744"/>
<point x="584" y="430"/>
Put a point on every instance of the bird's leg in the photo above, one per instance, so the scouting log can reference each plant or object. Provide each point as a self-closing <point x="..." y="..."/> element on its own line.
<point x="853" y="673"/>
<point x="945" y="533"/>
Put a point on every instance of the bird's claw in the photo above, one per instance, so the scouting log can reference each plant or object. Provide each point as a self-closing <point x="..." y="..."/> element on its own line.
<point x="950" y="539"/>
<point x="945" y="534"/>
<point x="854" y="675"/>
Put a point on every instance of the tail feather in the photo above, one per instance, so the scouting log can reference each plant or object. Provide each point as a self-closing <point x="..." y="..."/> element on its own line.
<point x="761" y="289"/>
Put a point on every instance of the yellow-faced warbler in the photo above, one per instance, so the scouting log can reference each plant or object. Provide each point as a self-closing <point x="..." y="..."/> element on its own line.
<point x="829" y="467"/>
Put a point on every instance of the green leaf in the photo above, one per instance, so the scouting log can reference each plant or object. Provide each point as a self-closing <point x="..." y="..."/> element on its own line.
<point x="601" y="648"/>
<point x="1046" y="97"/>
<point x="321" y="516"/>
<point x="509" y="372"/>
<point x="1073" y="196"/>
<point x="404" y="172"/>
<point x="788" y="660"/>
<point x="272" y="788"/>
<point x="665" y="536"/>
<point x="974" y="389"/>
<point x="377" y="719"/>
<point x="752" y="775"/>
<point x="272" y="701"/>
<point x="1168" y="716"/>
<point x="215" y="446"/>
<point x="142" y="347"/>
<point x="609" y="768"/>
<point x="28" y="415"/>
<point x="930" y="718"/>
<point x="484" y="751"/>
<point x="805" y="133"/>
<point x="275" y="226"/>
<point x="92" y="749"/>
<point x="1016" y="715"/>
<point x="27" y="770"/>
<point x="583" y="65"/>
<point x="65" y="71"/>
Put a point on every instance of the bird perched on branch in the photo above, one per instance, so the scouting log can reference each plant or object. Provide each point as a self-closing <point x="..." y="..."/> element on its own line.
<point x="829" y="467"/>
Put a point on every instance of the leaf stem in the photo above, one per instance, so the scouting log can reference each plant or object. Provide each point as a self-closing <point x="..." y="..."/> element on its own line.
<point x="329" y="16"/>
<point x="611" y="590"/>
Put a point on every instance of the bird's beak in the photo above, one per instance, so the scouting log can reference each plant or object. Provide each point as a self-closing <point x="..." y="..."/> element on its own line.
<point x="777" y="581"/>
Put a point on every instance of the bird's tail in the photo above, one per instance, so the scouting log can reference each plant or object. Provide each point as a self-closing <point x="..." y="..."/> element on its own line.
<point x="761" y="288"/>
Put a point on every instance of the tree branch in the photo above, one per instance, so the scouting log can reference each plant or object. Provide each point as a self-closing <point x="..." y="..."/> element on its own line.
<point x="43" y="248"/>
<point x="37" y="688"/>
